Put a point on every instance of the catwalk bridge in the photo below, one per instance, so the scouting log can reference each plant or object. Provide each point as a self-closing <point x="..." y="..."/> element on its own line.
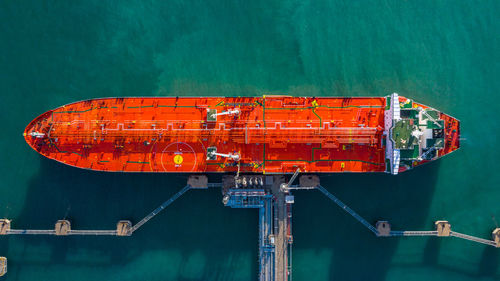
<point x="272" y="196"/>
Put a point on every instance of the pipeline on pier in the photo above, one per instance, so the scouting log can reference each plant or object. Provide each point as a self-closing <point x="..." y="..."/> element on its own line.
<point x="271" y="195"/>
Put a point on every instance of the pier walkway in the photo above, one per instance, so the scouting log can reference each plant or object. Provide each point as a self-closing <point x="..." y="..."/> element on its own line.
<point x="347" y="209"/>
<point x="53" y="232"/>
<point x="383" y="228"/>
<point x="160" y="208"/>
<point x="266" y="249"/>
<point x="474" y="239"/>
<point x="272" y="196"/>
<point x="282" y="241"/>
<point x="123" y="228"/>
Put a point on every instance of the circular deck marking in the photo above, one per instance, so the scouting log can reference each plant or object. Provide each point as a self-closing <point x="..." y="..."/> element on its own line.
<point x="178" y="157"/>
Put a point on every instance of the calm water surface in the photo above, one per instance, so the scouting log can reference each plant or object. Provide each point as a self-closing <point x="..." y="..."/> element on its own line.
<point x="442" y="53"/>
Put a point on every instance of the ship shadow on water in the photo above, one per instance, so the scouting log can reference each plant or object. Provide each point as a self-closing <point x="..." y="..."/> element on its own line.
<point x="487" y="266"/>
<point x="352" y="251"/>
<point x="195" y="238"/>
<point x="198" y="238"/>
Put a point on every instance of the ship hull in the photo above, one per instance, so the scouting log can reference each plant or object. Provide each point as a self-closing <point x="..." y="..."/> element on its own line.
<point x="273" y="134"/>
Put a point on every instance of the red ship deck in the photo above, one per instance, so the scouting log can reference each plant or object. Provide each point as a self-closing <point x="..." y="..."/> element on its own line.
<point x="271" y="134"/>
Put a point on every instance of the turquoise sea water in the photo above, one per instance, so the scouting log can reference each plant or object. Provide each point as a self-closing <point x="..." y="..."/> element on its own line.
<point x="445" y="54"/>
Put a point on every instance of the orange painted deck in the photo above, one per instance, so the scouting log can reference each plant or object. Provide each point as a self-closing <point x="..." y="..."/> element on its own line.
<point x="271" y="134"/>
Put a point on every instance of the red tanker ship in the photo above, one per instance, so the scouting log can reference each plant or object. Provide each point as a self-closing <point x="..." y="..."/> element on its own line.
<point x="269" y="134"/>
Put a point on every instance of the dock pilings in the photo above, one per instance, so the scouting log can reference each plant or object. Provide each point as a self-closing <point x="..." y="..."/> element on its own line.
<point x="383" y="228"/>
<point x="442" y="229"/>
<point x="271" y="194"/>
<point x="63" y="228"/>
<point x="123" y="227"/>
<point x="4" y="226"/>
<point x="3" y="266"/>
<point x="496" y="237"/>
